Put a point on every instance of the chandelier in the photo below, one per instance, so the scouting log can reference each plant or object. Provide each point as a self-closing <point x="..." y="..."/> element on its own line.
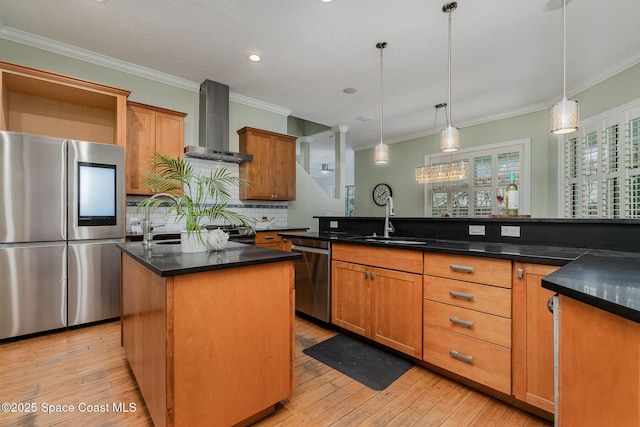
<point x="450" y="172"/>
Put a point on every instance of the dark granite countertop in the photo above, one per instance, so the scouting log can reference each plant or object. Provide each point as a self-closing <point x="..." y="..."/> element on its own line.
<point x="538" y="254"/>
<point x="168" y="260"/>
<point x="604" y="279"/>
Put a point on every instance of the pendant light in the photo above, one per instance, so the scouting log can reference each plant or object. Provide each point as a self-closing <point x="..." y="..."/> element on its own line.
<point x="442" y="173"/>
<point x="381" y="153"/>
<point x="564" y="114"/>
<point x="450" y="136"/>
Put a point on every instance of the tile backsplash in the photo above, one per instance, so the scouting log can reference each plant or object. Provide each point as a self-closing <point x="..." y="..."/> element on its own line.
<point x="250" y="208"/>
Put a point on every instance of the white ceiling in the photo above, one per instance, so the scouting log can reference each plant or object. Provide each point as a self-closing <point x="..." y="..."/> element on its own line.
<point x="507" y="55"/>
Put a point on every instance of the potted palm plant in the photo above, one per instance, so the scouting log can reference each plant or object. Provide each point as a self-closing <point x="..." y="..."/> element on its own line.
<point x="200" y="197"/>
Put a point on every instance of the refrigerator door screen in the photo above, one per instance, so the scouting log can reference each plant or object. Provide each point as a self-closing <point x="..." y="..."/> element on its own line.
<point x="96" y="194"/>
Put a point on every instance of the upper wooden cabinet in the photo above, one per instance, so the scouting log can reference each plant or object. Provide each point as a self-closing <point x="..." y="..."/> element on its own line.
<point x="44" y="103"/>
<point x="150" y="129"/>
<point x="272" y="171"/>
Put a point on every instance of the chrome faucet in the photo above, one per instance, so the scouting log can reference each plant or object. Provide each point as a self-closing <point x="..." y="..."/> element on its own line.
<point x="147" y="236"/>
<point x="388" y="211"/>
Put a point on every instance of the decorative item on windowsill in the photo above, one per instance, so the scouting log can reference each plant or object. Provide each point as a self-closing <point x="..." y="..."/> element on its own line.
<point x="450" y="172"/>
<point x="199" y="197"/>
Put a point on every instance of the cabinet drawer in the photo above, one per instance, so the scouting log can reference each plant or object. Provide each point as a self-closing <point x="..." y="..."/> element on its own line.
<point x="487" y="327"/>
<point x="480" y="361"/>
<point x="495" y="272"/>
<point x="267" y="237"/>
<point x="488" y="299"/>
<point x="394" y="259"/>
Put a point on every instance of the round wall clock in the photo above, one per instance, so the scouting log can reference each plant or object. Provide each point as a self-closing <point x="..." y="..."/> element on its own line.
<point x="381" y="194"/>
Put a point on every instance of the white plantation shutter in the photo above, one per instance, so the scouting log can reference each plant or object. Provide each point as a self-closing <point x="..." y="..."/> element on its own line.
<point x="489" y="166"/>
<point x="602" y="166"/>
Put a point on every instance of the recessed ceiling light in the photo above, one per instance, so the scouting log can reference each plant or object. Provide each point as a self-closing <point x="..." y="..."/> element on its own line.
<point x="349" y="90"/>
<point x="254" y="57"/>
<point x="325" y="1"/>
<point x="100" y="1"/>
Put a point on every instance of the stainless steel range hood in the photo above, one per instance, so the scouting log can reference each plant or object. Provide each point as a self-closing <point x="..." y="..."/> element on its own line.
<point x="214" y="126"/>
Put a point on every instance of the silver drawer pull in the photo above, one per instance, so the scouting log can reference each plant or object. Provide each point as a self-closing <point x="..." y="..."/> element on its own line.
<point x="460" y="356"/>
<point x="269" y="237"/>
<point x="463" y="268"/>
<point x="457" y="321"/>
<point x="461" y="295"/>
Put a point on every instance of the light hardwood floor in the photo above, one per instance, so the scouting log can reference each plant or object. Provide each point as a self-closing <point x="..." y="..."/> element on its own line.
<point x="87" y="366"/>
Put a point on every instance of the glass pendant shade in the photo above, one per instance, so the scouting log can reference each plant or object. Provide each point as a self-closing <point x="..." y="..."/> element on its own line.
<point x="564" y="117"/>
<point x="450" y="139"/>
<point x="381" y="154"/>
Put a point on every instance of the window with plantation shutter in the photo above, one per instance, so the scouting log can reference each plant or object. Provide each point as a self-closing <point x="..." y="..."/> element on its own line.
<point x="601" y="165"/>
<point x="489" y="169"/>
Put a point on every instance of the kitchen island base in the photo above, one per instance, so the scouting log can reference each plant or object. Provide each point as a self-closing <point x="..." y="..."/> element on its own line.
<point x="210" y="348"/>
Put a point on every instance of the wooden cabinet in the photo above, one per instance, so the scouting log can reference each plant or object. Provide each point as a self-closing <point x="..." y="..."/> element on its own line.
<point x="150" y="129"/>
<point x="382" y="304"/>
<point x="44" y="103"/>
<point x="467" y="317"/>
<point x="210" y="348"/>
<point x="272" y="172"/>
<point x="532" y="337"/>
<point x="599" y="367"/>
<point x="271" y="239"/>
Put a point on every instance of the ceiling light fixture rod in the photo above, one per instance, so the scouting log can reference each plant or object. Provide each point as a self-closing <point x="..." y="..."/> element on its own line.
<point x="448" y="8"/>
<point x="450" y="136"/>
<point x="381" y="151"/>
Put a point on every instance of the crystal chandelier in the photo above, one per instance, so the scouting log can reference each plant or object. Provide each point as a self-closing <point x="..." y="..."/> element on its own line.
<point x="444" y="172"/>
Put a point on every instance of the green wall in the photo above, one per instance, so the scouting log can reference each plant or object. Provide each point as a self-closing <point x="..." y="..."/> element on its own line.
<point x="405" y="156"/>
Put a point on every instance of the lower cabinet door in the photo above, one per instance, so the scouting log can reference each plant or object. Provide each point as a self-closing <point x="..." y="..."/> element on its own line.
<point x="350" y="307"/>
<point x="480" y="361"/>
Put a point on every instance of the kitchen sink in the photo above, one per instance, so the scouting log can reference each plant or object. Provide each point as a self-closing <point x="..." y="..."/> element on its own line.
<point x="166" y="242"/>
<point x="389" y="240"/>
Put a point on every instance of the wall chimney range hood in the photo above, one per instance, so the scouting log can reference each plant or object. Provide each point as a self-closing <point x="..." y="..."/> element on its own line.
<point x="214" y="126"/>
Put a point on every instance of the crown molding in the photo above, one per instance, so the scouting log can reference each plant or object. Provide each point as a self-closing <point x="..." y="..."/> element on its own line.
<point x="251" y="102"/>
<point x="49" y="45"/>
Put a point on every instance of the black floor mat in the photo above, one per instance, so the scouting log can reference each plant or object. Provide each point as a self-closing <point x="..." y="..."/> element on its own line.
<point x="366" y="364"/>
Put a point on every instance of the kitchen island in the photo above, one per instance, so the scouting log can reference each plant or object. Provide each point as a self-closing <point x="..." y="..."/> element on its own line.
<point x="209" y="336"/>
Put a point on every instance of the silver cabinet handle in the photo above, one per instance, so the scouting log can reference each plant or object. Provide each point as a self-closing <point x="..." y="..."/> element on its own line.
<point x="269" y="237"/>
<point x="456" y="294"/>
<point x="457" y="321"/>
<point x="371" y="274"/>
<point x="366" y="274"/>
<point x="460" y="356"/>
<point x="550" y="304"/>
<point x="463" y="268"/>
<point x="520" y="273"/>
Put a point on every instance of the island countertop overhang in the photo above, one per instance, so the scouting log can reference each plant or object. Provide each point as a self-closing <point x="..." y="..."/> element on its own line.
<point x="167" y="259"/>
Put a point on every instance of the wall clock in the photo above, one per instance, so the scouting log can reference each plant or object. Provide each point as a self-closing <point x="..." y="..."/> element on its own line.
<point x="381" y="194"/>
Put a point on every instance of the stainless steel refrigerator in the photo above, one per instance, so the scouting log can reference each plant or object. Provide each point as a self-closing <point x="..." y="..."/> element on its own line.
<point x="61" y="214"/>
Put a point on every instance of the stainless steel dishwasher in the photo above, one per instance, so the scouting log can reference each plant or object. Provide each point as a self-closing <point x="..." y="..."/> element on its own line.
<point x="313" y="277"/>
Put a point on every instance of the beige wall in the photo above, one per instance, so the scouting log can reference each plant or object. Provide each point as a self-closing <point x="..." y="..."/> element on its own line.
<point x="405" y="156"/>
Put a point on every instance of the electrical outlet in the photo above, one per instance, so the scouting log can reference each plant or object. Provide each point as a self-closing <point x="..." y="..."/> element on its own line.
<point x="476" y="230"/>
<point x="333" y="224"/>
<point x="510" y="231"/>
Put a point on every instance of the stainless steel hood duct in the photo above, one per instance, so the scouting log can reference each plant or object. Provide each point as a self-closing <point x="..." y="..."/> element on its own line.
<point x="214" y="126"/>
